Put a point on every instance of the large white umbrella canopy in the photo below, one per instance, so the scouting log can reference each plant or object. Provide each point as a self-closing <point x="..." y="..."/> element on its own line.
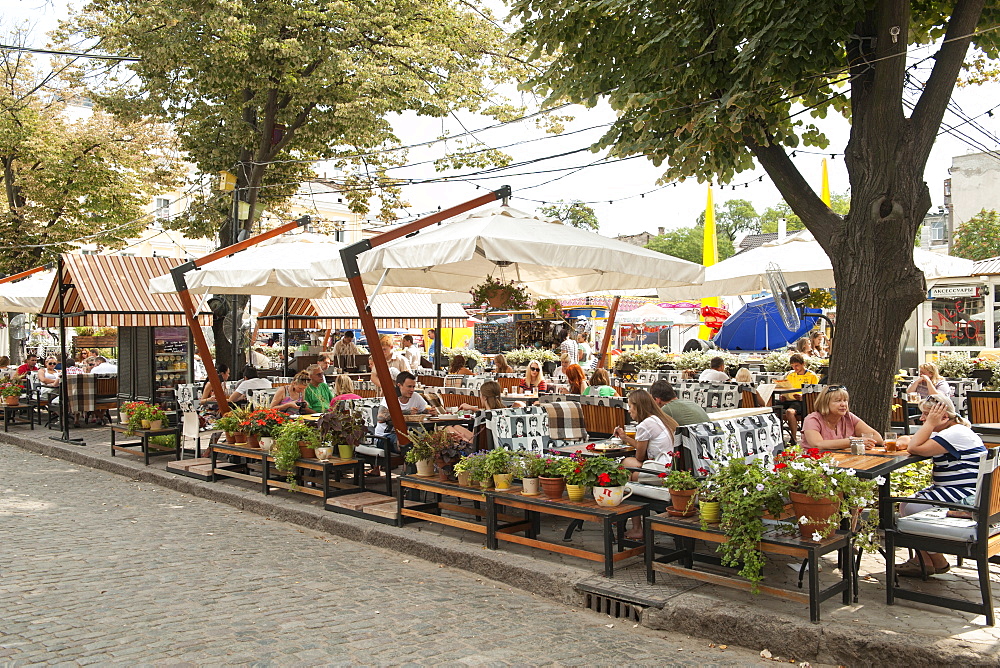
<point x="289" y="265"/>
<point x="800" y="258"/>
<point x="548" y="258"/>
<point x="27" y="295"/>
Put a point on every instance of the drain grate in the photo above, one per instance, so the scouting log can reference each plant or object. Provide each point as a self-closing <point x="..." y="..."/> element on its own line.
<point x="615" y="607"/>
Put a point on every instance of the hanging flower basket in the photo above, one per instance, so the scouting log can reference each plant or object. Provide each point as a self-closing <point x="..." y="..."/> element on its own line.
<point x="499" y="295"/>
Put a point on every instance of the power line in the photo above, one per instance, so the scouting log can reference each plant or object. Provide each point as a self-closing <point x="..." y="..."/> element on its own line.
<point x="75" y="54"/>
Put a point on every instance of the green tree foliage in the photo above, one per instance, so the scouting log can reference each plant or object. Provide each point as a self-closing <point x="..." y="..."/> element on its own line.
<point x="733" y="217"/>
<point x="687" y="243"/>
<point x="978" y="238"/>
<point x="574" y="213"/>
<point x="839" y="203"/>
<point x="709" y="89"/>
<point x="65" y="178"/>
<point x="263" y="89"/>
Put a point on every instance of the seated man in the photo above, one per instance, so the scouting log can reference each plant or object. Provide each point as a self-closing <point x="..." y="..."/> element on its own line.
<point x="716" y="373"/>
<point x="683" y="411"/>
<point x="30" y="364"/>
<point x="250" y="382"/>
<point x="409" y="401"/>
<point x="104" y="366"/>
<point x="792" y="401"/>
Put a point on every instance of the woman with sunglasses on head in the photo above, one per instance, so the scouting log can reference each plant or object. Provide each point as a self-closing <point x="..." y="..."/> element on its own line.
<point x="533" y="381"/>
<point x="832" y="425"/>
<point x="957" y="451"/>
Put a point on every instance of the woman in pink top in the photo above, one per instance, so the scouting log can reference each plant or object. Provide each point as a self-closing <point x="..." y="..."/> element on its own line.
<point x="832" y="424"/>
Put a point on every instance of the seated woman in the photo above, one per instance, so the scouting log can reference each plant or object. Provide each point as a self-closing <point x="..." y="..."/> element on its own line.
<point x="653" y="442"/>
<point x="48" y="374"/>
<point x="533" y="381"/>
<point x="743" y="376"/>
<point x="576" y="378"/>
<point x="500" y="365"/>
<point x="600" y="385"/>
<point x="343" y="389"/>
<point x="832" y="424"/>
<point x="489" y="392"/>
<point x="291" y="398"/>
<point x="208" y="400"/>
<point x="929" y="382"/>
<point x="457" y="366"/>
<point x="956" y="450"/>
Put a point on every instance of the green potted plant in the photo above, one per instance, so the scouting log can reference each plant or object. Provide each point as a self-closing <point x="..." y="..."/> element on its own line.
<point x="136" y="416"/>
<point x="242" y="417"/>
<point x="575" y="474"/>
<point x="230" y="424"/>
<point x="448" y="450"/>
<point x="285" y="452"/>
<point x="156" y="417"/>
<point x="607" y="478"/>
<point x="260" y="425"/>
<point x="553" y="476"/>
<point x="344" y="430"/>
<point x="548" y="308"/>
<point x="305" y="437"/>
<point x="527" y="467"/>
<point x="474" y="466"/>
<point x="421" y="452"/>
<point x="11" y="390"/>
<point x="683" y="489"/>
<point x="500" y="464"/>
<point x="499" y="294"/>
<point x="708" y="500"/>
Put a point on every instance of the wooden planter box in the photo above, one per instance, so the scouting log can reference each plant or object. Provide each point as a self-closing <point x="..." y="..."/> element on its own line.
<point x="95" y="342"/>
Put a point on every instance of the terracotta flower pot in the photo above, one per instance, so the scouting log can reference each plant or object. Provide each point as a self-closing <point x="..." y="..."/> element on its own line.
<point x="576" y="492"/>
<point x="529" y="486"/>
<point x="306" y="452"/>
<point x="682" y="500"/>
<point x="12" y="400"/>
<point x="818" y="511"/>
<point x="253" y="440"/>
<point x="553" y="488"/>
<point x="464" y="478"/>
<point x="240" y="437"/>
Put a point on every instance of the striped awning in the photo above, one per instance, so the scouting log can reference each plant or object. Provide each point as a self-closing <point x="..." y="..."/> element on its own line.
<point x="390" y="310"/>
<point x="112" y="291"/>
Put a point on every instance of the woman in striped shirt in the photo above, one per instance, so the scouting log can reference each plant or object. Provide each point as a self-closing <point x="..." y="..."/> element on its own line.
<point x="956" y="450"/>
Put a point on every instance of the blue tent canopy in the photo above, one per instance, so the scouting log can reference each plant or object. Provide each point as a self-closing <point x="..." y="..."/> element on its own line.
<point x="757" y="325"/>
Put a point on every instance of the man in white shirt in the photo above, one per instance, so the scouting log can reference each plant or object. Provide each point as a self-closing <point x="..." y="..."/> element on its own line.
<point x="411" y="403"/>
<point x="410" y="352"/>
<point x="104" y="366"/>
<point x="346" y="345"/>
<point x="250" y="382"/>
<point x="716" y="373"/>
<point x="259" y="359"/>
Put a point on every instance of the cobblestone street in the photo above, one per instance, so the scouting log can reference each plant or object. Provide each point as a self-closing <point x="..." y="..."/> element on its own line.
<point x="96" y="569"/>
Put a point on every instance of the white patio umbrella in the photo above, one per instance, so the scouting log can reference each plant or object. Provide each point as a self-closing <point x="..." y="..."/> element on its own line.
<point x="549" y="259"/>
<point x="27" y="295"/>
<point x="285" y="266"/>
<point x="801" y="258"/>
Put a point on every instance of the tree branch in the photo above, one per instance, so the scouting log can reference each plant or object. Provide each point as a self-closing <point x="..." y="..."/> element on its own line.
<point x="815" y="214"/>
<point x="927" y="115"/>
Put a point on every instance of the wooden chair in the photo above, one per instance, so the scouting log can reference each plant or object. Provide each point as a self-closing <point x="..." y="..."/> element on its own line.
<point x="976" y="539"/>
<point x="602" y="420"/>
<point x="431" y="381"/>
<point x="984" y="407"/>
<point x="509" y="384"/>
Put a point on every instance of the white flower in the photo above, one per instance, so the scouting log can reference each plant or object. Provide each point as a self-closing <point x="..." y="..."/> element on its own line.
<point x="760" y="487"/>
<point x="816" y="537"/>
<point x="833" y="481"/>
<point x="880" y="480"/>
<point x="803" y="520"/>
<point x="850" y="472"/>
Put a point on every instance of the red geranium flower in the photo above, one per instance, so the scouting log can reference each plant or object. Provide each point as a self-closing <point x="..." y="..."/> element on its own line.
<point x="662" y="474"/>
<point x="703" y="470"/>
<point x="603" y="479"/>
<point x="778" y="467"/>
<point x="590" y="447"/>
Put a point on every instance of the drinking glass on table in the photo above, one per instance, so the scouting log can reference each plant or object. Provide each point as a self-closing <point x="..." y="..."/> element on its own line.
<point x="890" y="441"/>
<point x="871" y="440"/>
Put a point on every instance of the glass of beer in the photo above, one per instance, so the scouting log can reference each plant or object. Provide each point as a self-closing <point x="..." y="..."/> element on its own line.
<point x="890" y="441"/>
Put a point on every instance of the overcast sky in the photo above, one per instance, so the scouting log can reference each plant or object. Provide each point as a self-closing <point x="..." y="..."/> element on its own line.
<point x="620" y="183"/>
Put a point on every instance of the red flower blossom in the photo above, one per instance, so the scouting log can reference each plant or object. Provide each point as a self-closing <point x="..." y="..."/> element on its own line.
<point x="578" y="470"/>
<point x="668" y="464"/>
<point x="603" y="479"/>
<point x="589" y="447"/>
<point x="703" y="470"/>
<point x="662" y="474"/>
<point x="779" y="466"/>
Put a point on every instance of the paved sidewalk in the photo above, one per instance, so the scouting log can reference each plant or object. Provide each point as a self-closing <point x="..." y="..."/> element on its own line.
<point x="98" y="568"/>
<point x="860" y="633"/>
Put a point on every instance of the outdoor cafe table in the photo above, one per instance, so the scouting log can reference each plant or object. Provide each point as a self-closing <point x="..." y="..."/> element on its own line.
<point x="874" y="463"/>
<point x="328" y="469"/>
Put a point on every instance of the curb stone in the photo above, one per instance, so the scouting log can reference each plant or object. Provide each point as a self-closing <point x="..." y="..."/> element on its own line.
<point x="691" y="613"/>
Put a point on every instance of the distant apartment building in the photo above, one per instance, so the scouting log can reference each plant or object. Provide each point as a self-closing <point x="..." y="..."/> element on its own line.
<point x="640" y="239"/>
<point x="974" y="185"/>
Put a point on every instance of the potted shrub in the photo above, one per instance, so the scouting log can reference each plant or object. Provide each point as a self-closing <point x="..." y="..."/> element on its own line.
<point x="528" y="466"/>
<point x="499" y="463"/>
<point x="11" y="390"/>
<point x="421" y="453"/>
<point x="242" y="417"/>
<point x="576" y="478"/>
<point x="548" y="308"/>
<point x="260" y="424"/>
<point x="285" y="453"/>
<point x="607" y="478"/>
<point x="499" y="294"/>
<point x="552" y="476"/>
<point x="136" y="416"/>
<point x="708" y="500"/>
<point x="474" y="466"/>
<point x="683" y="489"/>
<point x="344" y="430"/>
<point x="448" y="450"/>
<point x="156" y="417"/>
<point x="230" y="424"/>
<point x="822" y="493"/>
<point x="305" y="437"/>
<point x="463" y="471"/>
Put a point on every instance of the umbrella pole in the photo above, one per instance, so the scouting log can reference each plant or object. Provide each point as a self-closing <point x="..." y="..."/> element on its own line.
<point x="284" y="336"/>
<point x="63" y="390"/>
<point x="608" y="330"/>
<point x="180" y="283"/>
<point x="349" y="256"/>
<point x="437" y="340"/>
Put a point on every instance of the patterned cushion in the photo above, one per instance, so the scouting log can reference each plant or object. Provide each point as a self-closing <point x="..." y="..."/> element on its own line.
<point x="566" y="421"/>
<point x="757" y="436"/>
<point x="711" y="396"/>
<point x="186" y="395"/>
<point x="519" y="429"/>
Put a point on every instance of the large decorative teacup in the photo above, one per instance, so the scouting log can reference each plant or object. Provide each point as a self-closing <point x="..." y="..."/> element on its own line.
<point x="611" y="496"/>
